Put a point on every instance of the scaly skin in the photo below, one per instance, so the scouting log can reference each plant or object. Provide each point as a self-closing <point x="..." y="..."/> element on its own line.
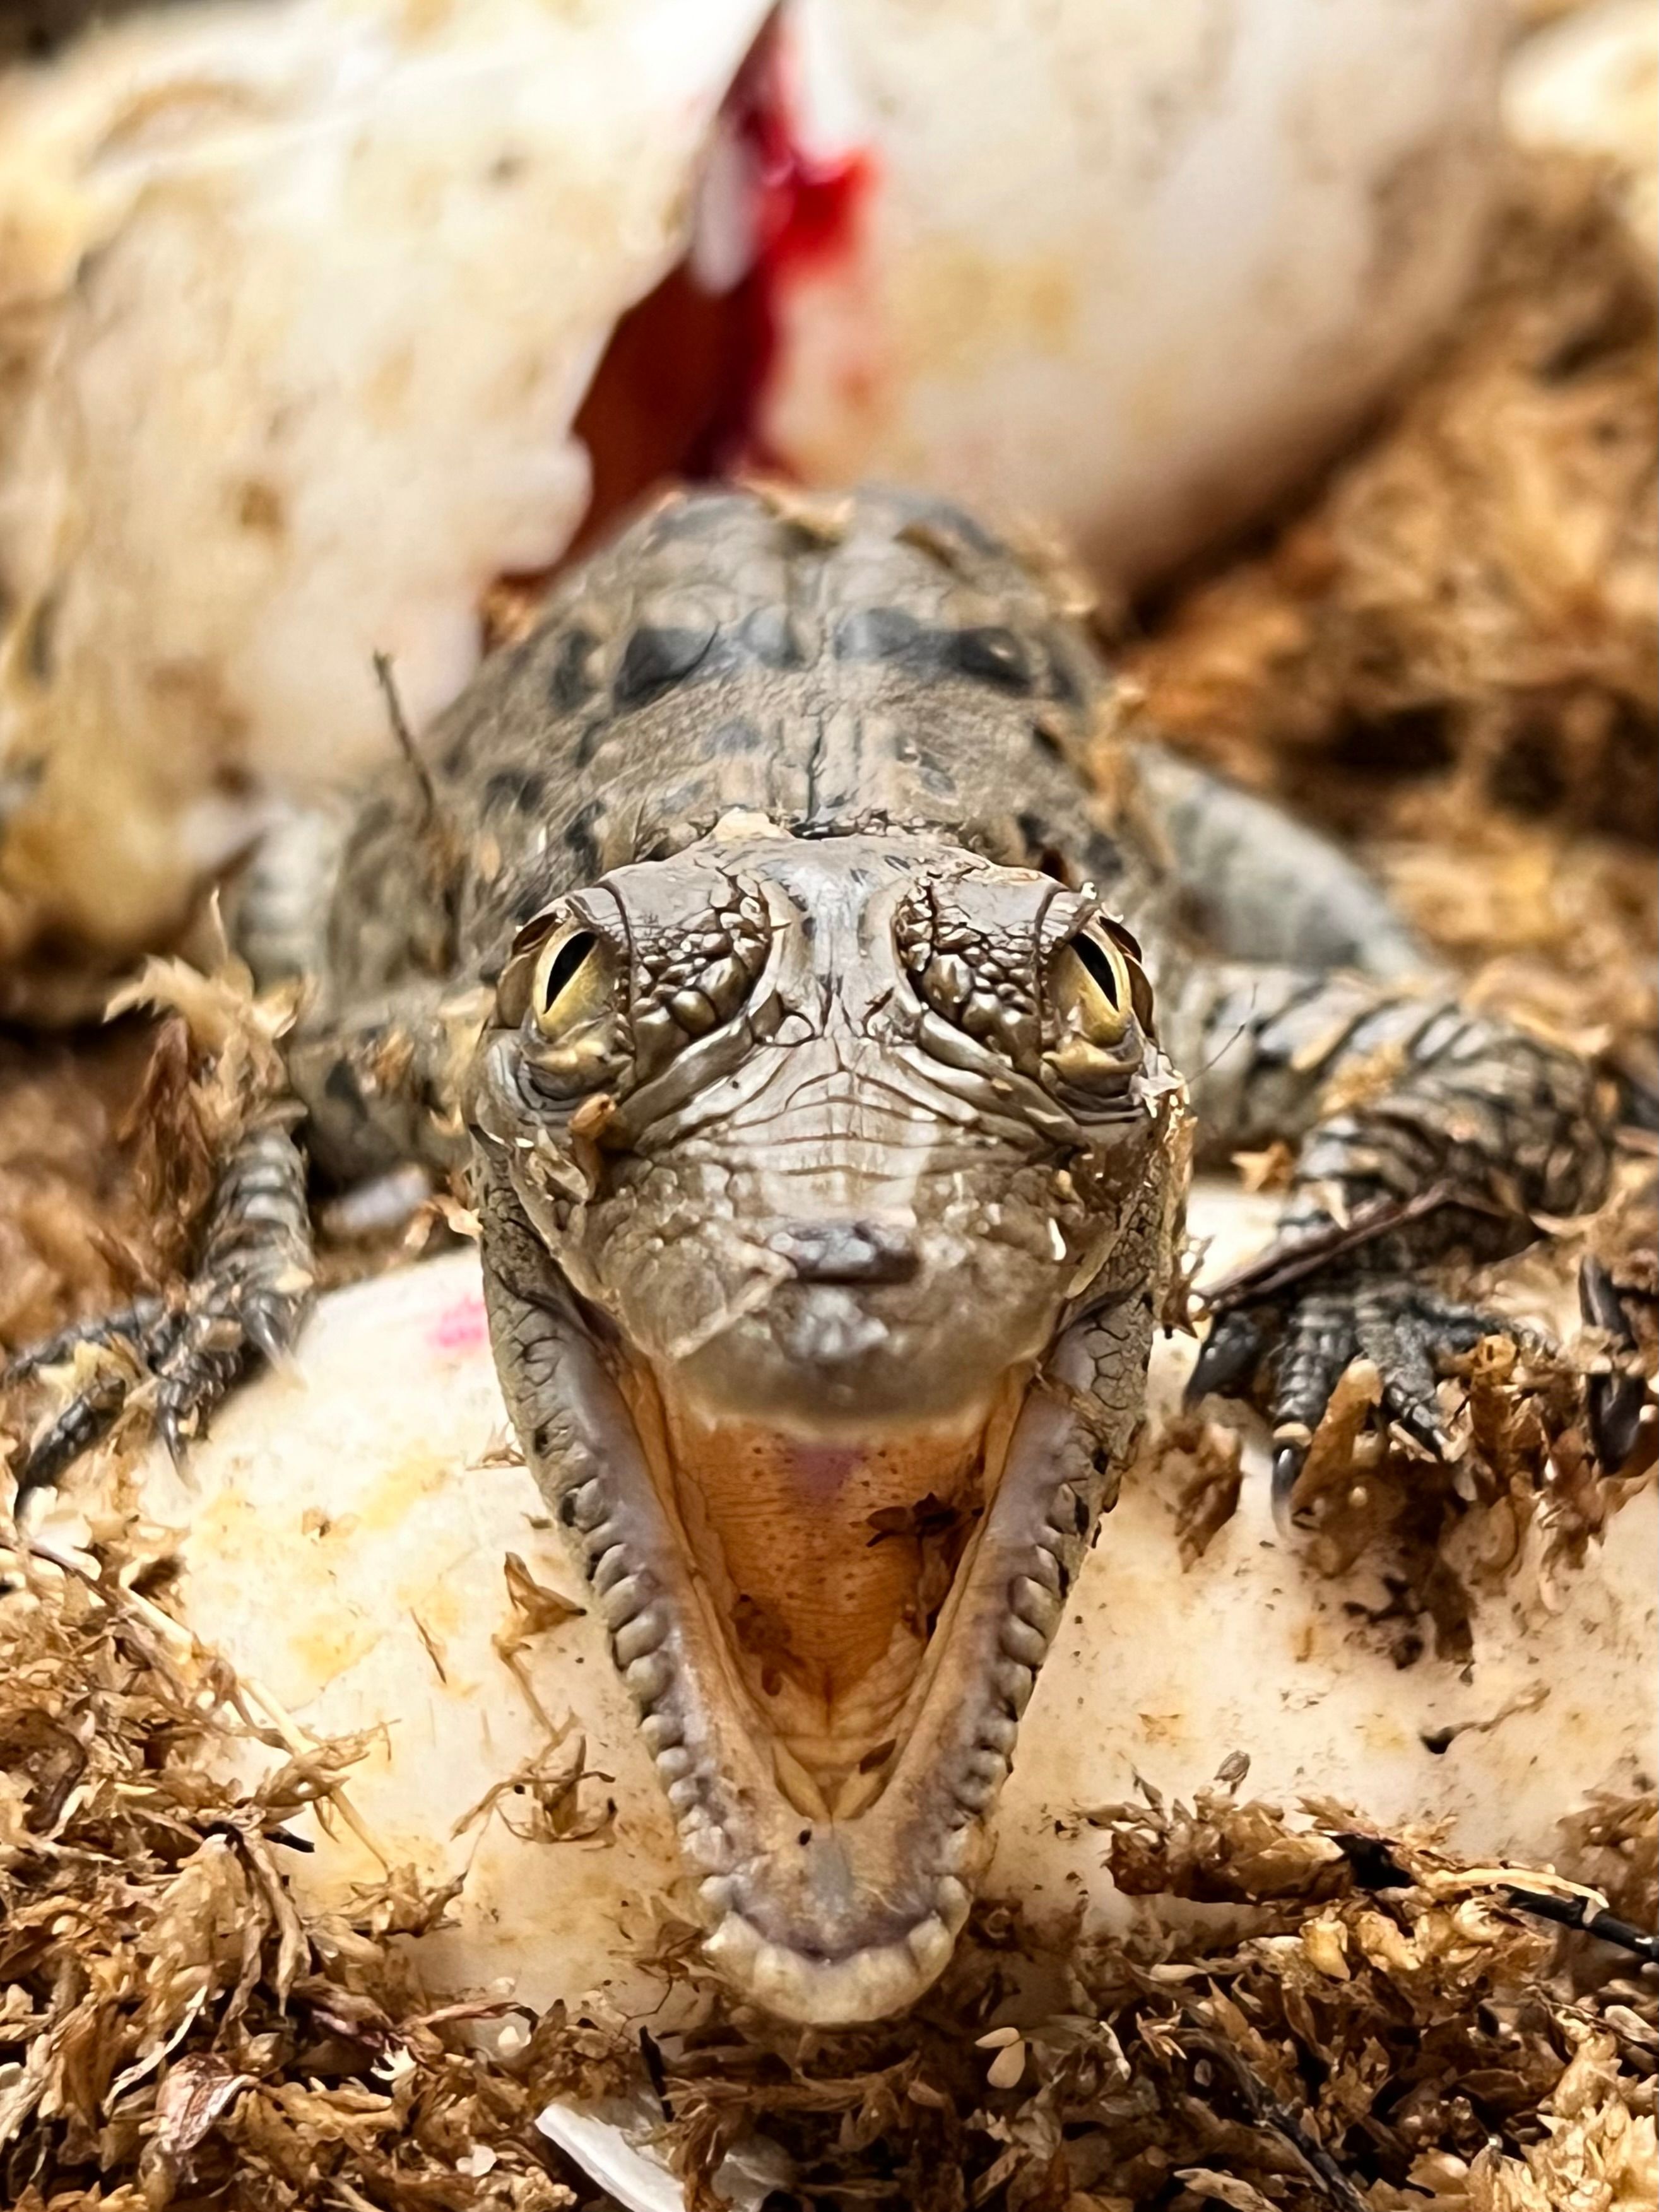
<point x="751" y="930"/>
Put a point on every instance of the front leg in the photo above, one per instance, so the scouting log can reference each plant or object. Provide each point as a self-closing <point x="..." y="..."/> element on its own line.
<point x="371" y="1092"/>
<point x="1427" y="1134"/>
<point x="246" y="1300"/>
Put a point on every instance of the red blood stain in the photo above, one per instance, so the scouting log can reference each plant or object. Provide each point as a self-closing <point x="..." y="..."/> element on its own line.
<point x="806" y="212"/>
<point x="679" y="391"/>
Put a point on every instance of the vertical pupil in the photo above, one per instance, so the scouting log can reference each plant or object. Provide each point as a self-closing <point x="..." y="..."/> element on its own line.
<point x="569" y="958"/>
<point x="1100" y="965"/>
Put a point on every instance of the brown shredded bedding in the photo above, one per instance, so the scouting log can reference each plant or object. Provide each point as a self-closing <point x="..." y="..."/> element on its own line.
<point x="1316" y="2015"/>
<point x="1469" y="607"/>
<point x="1451" y="647"/>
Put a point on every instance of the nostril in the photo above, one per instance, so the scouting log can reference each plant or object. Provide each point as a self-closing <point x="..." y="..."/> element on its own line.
<point x="845" y="1251"/>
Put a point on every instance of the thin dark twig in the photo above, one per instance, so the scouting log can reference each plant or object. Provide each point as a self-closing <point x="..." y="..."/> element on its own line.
<point x="386" y="679"/>
<point x="1266" y="2112"/>
<point x="1584" y="1912"/>
<point x="1283" y="1264"/>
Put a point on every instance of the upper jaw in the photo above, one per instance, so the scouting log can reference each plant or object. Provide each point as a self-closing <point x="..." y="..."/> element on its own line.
<point x="838" y="1921"/>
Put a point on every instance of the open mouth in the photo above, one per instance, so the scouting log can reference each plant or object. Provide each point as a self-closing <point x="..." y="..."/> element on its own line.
<point x="830" y="1642"/>
<point x="824" y="1564"/>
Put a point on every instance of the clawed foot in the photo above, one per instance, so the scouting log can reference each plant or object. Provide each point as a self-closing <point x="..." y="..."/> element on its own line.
<point x="1289" y="1357"/>
<point x="1617" y="1398"/>
<point x="187" y="1351"/>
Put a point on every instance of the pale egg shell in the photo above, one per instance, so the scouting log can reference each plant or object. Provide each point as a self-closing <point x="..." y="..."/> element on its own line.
<point x="1130" y="268"/>
<point x="344" y="1534"/>
<point x="1590" y="82"/>
<point x="298" y="300"/>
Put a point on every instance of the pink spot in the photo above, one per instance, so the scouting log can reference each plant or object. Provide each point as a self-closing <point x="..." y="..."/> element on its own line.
<point x="820" y="1472"/>
<point x="461" y="1327"/>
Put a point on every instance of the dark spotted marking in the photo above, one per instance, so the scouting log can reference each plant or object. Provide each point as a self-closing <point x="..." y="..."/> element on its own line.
<point x="877" y="634"/>
<point x="993" y="655"/>
<point x="523" y="789"/>
<point x="582" y="844"/>
<point x="341" y="1086"/>
<point x="657" y="656"/>
<point x="985" y="654"/>
<point x="570" y="682"/>
<point x="593" y="737"/>
<point x="736" y="737"/>
<point x="661" y="656"/>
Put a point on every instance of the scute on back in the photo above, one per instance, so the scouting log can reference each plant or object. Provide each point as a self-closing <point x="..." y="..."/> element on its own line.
<point x="874" y="660"/>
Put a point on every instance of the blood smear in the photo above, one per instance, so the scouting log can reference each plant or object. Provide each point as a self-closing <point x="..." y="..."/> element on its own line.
<point x="679" y="391"/>
<point x="804" y="209"/>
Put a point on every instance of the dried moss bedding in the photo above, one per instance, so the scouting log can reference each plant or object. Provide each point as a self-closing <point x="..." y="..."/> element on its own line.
<point x="1452" y="647"/>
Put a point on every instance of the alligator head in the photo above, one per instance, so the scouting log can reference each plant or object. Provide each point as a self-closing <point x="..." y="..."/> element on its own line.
<point x="824" y="1183"/>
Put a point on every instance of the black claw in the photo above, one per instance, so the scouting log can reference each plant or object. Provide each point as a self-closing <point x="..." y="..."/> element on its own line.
<point x="1230" y="1354"/>
<point x="1422" y="1429"/>
<point x="170" y="1431"/>
<point x="1288" y="1462"/>
<point x="1615" y="1403"/>
<point x="1599" y="1302"/>
<point x="269" y="1330"/>
<point x="84" y="1423"/>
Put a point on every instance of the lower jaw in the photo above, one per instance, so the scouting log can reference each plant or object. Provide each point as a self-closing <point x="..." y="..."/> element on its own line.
<point x="838" y="1921"/>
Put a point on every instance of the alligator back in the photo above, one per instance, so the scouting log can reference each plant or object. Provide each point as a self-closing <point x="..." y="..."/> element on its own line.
<point x="873" y="662"/>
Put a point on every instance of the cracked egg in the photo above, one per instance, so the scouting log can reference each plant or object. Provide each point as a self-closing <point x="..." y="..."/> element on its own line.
<point x="319" y="317"/>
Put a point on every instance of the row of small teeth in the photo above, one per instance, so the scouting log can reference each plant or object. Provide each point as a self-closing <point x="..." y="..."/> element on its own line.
<point x="863" y="1985"/>
<point x="1036" y="1606"/>
<point x="637" y="1620"/>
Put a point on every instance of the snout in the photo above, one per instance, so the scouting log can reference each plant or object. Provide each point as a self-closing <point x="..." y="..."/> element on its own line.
<point x="833" y="1328"/>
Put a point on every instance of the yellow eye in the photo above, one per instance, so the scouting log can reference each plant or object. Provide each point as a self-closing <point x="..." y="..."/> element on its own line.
<point x="1093" y="991"/>
<point x="570" y="987"/>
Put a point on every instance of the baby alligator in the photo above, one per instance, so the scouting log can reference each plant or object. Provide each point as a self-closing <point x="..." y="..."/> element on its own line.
<point x="821" y="1044"/>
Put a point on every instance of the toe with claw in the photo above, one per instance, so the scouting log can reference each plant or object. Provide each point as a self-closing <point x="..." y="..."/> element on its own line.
<point x="245" y="1303"/>
<point x="1288" y="1355"/>
<point x="1617" y="1396"/>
